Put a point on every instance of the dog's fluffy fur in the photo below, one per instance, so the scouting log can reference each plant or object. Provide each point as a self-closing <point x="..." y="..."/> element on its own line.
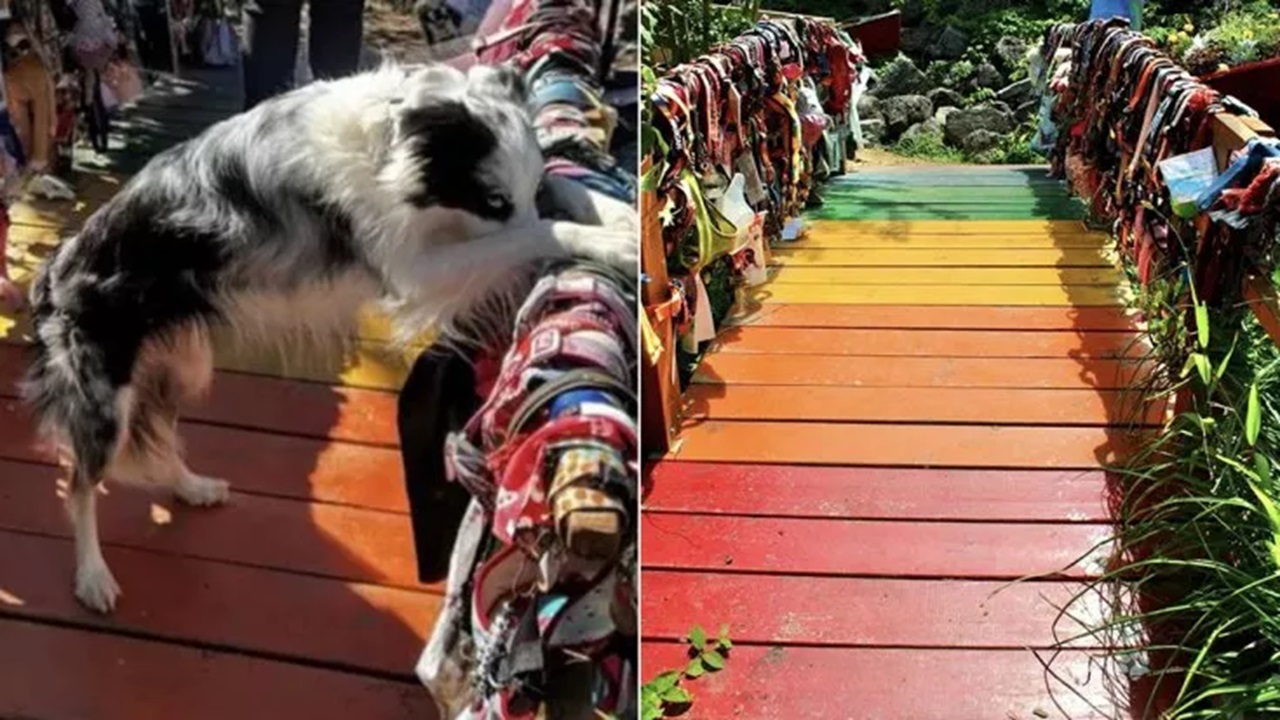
<point x="414" y="187"/>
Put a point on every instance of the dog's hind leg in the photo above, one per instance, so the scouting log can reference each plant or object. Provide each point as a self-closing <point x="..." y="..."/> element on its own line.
<point x="96" y="587"/>
<point x="170" y="372"/>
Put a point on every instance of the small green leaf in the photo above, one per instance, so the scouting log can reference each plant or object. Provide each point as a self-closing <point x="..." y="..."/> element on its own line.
<point x="1253" y="417"/>
<point x="677" y="696"/>
<point x="1202" y="325"/>
<point x="695" y="669"/>
<point x="698" y="637"/>
<point x="713" y="660"/>
<point x="1263" y="466"/>
<point x="1202" y="367"/>
<point x="664" y="682"/>
<point x="724" y="643"/>
<point x="1222" y="366"/>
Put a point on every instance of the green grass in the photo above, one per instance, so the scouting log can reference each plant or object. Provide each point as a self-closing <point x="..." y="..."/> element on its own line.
<point x="1195" y="575"/>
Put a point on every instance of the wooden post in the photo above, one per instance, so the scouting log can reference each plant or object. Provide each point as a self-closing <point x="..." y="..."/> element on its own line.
<point x="660" y="391"/>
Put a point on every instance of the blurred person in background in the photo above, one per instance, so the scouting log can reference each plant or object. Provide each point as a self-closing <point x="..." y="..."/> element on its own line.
<point x="271" y="31"/>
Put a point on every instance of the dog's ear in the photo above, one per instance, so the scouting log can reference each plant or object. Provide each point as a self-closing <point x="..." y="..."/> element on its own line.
<point x="439" y="117"/>
<point x="498" y="81"/>
<point x="433" y="82"/>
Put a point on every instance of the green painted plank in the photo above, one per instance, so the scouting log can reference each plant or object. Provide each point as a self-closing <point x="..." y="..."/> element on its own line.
<point x="848" y="211"/>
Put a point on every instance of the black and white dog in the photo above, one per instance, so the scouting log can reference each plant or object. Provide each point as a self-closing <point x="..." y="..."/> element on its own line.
<point x="413" y="187"/>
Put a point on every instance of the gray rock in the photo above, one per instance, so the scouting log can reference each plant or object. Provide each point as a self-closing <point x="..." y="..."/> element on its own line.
<point x="1002" y="106"/>
<point x="945" y="96"/>
<point x="950" y="45"/>
<point x="987" y="76"/>
<point x="873" y="131"/>
<point x="1016" y="93"/>
<point x="915" y="40"/>
<point x="963" y="123"/>
<point x="1027" y="110"/>
<point x="940" y="115"/>
<point x="869" y="108"/>
<point x="1010" y="53"/>
<point x="980" y="141"/>
<point x="929" y="127"/>
<point x="900" y="77"/>
<point x="902" y="112"/>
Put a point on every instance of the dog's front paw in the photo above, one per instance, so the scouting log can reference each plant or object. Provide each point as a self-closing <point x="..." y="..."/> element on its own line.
<point x="96" y="588"/>
<point x="201" y="491"/>
<point x="617" y="248"/>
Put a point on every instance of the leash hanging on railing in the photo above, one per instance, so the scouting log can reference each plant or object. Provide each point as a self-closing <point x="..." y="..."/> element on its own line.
<point x="540" y="610"/>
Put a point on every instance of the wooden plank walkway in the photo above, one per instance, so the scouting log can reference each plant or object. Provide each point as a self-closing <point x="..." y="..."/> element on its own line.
<point x="911" y="415"/>
<point x="298" y="599"/>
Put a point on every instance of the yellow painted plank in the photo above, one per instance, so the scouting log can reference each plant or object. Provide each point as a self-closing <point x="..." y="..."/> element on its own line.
<point x="938" y="257"/>
<point x="368" y="365"/>
<point x="837" y="238"/>
<point x="1023" y="295"/>
<point x="949" y="227"/>
<point x="810" y="275"/>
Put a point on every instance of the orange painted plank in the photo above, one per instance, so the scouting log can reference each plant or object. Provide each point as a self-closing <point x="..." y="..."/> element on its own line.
<point x="850" y="548"/>
<point x="935" y="257"/>
<point x="325" y="540"/>
<point x="878" y="493"/>
<point x="258" y="462"/>
<point x="783" y="683"/>
<point x="938" y="405"/>
<point x="849" y="612"/>
<point x="978" y="318"/>
<point x="362" y="626"/>
<point x="821" y="370"/>
<point x="800" y="275"/>
<point x="920" y="343"/>
<point x="974" y="446"/>
<point x="56" y="672"/>
<point x="273" y="404"/>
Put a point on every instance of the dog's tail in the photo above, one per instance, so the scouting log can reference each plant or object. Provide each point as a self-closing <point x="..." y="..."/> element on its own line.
<point x="68" y="386"/>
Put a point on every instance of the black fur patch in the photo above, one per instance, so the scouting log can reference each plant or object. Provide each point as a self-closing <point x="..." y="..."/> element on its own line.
<point x="133" y="275"/>
<point x="451" y="143"/>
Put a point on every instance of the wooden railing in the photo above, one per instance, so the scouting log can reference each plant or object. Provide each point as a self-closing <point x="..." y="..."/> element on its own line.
<point x="1230" y="133"/>
<point x="660" y="403"/>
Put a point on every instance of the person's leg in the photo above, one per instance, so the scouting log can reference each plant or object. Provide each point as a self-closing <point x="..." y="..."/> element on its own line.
<point x="337" y="29"/>
<point x="270" y="46"/>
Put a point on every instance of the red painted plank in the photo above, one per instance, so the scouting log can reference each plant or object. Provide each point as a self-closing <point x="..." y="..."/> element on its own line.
<point x="971" y="446"/>
<point x="274" y="404"/>
<point x="782" y="610"/>
<point x="974" y="318"/>
<point x="329" y="540"/>
<point x="259" y="462"/>
<point x="784" y="683"/>
<point x="772" y="369"/>
<point x="878" y="493"/>
<point x="52" y="672"/>
<point x="356" y="625"/>
<point x="866" y="547"/>
<point x="922" y="343"/>
<point x="940" y="405"/>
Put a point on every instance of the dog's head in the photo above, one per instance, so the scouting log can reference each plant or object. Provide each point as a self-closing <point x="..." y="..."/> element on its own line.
<point x="463" y="149"/>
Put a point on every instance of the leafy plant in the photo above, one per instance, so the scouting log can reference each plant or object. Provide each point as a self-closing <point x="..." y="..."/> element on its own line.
<point x="666" y="694"/>
<point x="1194" y="585"/>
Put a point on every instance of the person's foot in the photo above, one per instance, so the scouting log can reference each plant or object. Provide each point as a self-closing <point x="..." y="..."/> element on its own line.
<point x="12" y="299"/>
